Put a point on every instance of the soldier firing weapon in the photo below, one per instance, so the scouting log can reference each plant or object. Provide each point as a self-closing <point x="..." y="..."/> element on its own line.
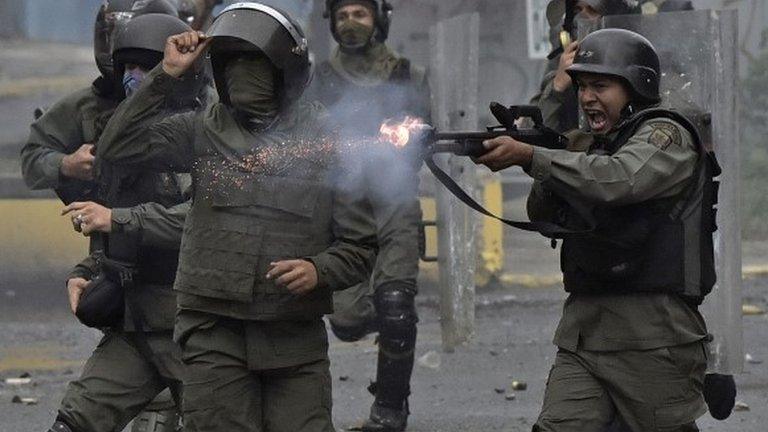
<point x="412" y="132"/>
<point x="428" y="141"/>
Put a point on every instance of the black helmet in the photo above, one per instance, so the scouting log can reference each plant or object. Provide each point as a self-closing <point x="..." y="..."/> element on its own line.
<point x="258" y="27"/>
<point x="614" y="7"/>
<point x="676" y="6"/>
<point x="382" y="16"/>
<point x="623" y="54"/>
<point x="111" y="15"/>
<point x="187" y="10"/>
<point x="142" y="41"/>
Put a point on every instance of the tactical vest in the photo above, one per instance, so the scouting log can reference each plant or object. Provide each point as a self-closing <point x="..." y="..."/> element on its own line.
<point x="153" y="265"/>
<point x="364" y="108"/>
<point x="247" y="215"/>
<point x="662" y="245"/>
<point x="125" y="188"/>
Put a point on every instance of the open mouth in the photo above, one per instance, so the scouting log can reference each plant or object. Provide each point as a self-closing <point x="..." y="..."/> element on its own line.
<point x="598" y="120"/>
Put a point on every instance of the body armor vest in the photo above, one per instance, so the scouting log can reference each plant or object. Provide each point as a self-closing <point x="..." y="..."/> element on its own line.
<point x="126" y="187"/>
<point x="364" y="108"/>
<point x="153" y="265"/>
<point x="662" y="245"/>
<point x="252" y="210"/>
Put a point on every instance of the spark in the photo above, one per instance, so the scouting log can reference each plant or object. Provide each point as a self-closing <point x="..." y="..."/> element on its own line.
<point x="399" y="133"/>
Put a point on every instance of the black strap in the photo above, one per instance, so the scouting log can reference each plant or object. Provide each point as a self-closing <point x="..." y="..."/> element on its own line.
<point x="548" y="229"/>
<point x="140" y="336"/>
<point x="125" y="273"/>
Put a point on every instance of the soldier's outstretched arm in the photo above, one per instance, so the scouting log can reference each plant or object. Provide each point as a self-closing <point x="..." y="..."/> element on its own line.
<point x="134" y="136"/>
<point x="656" y="162"/>
<point x="153" y="223"/>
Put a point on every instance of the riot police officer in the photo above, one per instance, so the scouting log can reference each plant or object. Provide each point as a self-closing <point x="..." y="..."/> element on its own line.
<point x="270" y="235"/>
<point x="59" y="152"/>
<point x="365" y="83"/>
<point x="135" y="254"/>
<point x="636" y="190"/>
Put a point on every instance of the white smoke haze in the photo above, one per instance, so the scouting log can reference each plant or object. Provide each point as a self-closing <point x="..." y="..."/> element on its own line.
<point x="385" y="170"/>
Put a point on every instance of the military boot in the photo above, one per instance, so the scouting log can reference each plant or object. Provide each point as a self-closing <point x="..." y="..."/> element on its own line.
<point x="389" y="412"/>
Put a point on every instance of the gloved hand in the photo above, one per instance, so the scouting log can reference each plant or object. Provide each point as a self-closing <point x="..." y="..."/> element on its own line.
<point x="720" y="395"/>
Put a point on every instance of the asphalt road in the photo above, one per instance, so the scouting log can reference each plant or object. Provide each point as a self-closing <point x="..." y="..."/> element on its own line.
<point x="451" y="391"/>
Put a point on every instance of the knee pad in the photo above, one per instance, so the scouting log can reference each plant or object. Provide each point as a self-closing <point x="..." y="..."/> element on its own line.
<point x="350" y="333"/>
<point x="396" y="310"/>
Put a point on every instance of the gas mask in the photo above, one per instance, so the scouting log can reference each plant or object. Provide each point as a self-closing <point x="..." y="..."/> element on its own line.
<point x="250" y="81"/>
<point x="354" y="35"/>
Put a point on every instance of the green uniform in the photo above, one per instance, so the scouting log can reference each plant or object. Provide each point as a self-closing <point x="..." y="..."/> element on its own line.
<point x="118" y="380"/>
<point x="559" y="110"/>
<point x="389" y="181"/>
<point x="640" y="354"/>
<point x="71" y="122"/>
<point x="258" y="198"/>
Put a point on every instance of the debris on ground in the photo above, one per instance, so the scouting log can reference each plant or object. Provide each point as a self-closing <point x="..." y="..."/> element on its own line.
<point x="24" y="400"/>
<point x="752" y="360"/>
<point x="18" y="381"/>
<point x="741" y="406"/>
<point x="430" y="360"/>
<point x="750" y="309"/>
<point x="519" y="385"/>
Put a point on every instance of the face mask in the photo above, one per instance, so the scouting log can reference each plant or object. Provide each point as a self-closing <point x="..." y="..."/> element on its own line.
<point x="352" y="34"/>
<point x="132" y="80"/>
<point x="251" y="87"/>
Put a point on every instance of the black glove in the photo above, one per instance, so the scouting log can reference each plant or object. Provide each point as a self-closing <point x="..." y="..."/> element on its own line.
<point x="720" y="395"/>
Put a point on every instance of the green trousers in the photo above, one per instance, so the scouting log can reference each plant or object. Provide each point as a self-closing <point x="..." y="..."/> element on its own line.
<point x="254" y="376"/>
<point x="657" y="390"/>
<point x="118" y="381"/>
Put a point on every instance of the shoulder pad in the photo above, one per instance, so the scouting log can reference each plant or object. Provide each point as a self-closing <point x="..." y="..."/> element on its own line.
<point x="664" y="132"/>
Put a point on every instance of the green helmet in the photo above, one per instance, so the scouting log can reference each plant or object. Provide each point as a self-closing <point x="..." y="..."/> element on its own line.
<point x="614" y="7"/>
<point x="382" y="16"/>
<point x="624" y="54"/>
<point x="258" y="27"/>
<point x="114" y="13"/>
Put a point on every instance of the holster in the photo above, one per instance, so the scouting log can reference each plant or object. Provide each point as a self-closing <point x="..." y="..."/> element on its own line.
<point x="103" y="301"/>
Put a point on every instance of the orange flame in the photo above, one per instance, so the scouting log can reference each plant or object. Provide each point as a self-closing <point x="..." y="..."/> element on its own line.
<point x="399" y="133"/>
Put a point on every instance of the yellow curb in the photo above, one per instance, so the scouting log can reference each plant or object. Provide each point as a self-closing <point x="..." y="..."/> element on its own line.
<point x="749" y="309"/>
<point x="29" y="86"/>
<point x="752" y="271"/>
<point x="34" y="358"/>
